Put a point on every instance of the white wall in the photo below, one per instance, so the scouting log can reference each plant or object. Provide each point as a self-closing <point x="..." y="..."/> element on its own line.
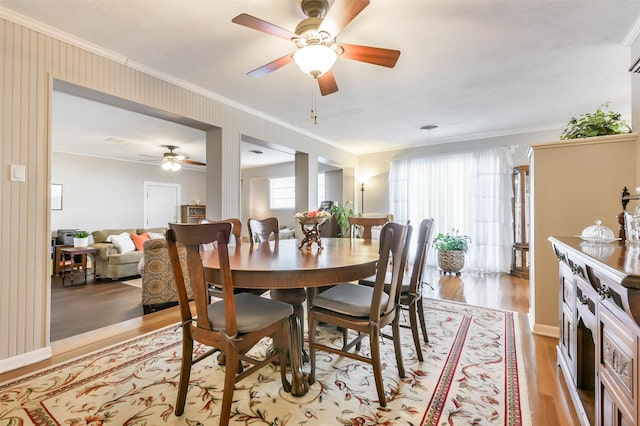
<point x="96" y="189"/>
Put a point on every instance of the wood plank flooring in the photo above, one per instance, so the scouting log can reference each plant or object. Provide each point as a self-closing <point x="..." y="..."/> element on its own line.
<point x="549" y="403"/>
<point x="79" y="308"/>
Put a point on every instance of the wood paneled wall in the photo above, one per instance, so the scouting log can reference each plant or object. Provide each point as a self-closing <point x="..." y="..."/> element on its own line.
<point x="31" y="61"/>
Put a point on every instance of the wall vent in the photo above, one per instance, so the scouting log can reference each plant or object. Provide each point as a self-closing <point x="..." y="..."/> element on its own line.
<point x="635" y="67"/>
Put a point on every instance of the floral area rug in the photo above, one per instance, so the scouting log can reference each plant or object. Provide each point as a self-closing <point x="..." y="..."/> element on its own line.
<point x="473" y="374"/>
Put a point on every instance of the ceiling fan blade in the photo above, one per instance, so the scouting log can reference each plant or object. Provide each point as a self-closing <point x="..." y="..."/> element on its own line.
<point x="372" y="55"/>
<point x="196" y="163"/>
<point x="341" y="14"/>
<point x="271" y="66"/>
<point x="327" y="83"/>
<point x="264" y="26"/>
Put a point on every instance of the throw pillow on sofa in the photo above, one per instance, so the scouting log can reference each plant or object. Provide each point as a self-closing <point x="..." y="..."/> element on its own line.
<point x="138" y="240"/>
<point x="123" y="242"/>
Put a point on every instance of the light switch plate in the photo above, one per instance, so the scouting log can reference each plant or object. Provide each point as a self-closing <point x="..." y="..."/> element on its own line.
<point x="18" y="173"/>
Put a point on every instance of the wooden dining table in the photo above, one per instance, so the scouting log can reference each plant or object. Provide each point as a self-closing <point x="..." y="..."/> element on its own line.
<point x="288" y="272"/>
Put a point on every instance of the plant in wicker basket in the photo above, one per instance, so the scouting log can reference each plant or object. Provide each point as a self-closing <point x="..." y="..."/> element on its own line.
<point x="451" y="249"/>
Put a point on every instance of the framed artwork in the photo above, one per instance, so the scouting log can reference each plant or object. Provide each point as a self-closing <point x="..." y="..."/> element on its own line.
<point x="56" y="196"/>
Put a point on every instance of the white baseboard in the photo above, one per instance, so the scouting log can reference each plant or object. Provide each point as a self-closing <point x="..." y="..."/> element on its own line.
<point x="545" y="330"/>
<point x="24" y="359"/>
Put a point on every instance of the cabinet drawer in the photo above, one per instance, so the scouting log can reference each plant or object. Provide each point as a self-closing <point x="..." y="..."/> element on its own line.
<point x="567" y="286"/>
<point x="616" y="354"/>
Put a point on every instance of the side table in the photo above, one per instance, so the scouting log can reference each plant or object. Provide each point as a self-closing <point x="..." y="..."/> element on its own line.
<point x="70" y="253"/>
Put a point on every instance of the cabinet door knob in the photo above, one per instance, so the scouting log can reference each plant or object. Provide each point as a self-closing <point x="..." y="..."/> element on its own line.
<point x="583" y="299"/>
<point x="604" y="292"/>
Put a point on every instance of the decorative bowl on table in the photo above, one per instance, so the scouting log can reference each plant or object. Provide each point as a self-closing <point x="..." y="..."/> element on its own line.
<point x="598" y="233"/>
<point x="311" y="224"/>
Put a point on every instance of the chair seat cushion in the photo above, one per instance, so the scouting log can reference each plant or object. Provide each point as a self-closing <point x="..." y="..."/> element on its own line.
<point x="349" y="299"/>
<point x="406" y="281"/>
<point x="252" y="312"/>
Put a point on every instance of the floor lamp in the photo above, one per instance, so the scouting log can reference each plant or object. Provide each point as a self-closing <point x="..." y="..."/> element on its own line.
<point x="362" y="180"/>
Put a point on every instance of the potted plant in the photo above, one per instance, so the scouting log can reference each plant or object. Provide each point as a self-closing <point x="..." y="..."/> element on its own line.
<point x="600" y="123"/>
<point x="81" y="239"/>
<point x="451" y="249"/>
<point x="342" y="215"/>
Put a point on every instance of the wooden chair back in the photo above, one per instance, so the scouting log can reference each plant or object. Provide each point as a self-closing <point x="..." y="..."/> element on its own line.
<point x="394" y="248"/>
<point x="236" y="230"/>
<point x="425" y="229"/>
<point x="190" y="238"/>
<point x="365" y="224"/>
<point x="260" y="230"/>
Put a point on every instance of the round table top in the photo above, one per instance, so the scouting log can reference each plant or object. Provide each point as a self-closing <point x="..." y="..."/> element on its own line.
<point x="283" y="265"/>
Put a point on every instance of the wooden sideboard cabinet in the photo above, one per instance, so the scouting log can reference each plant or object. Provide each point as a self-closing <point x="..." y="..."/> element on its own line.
<point x="599" y="292"/>
<point x="192" y="213"/>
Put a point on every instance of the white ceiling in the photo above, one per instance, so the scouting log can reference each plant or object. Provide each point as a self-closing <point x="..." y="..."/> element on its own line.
<point x="476" y="68"/>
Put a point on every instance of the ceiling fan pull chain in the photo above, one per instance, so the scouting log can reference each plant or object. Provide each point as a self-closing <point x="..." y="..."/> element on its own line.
<point x="314" y="109"/>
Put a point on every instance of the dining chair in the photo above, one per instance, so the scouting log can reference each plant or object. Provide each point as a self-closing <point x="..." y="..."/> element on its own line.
<point x="365" y="309"/>
<point x="236" y="229"/>
<point x="411" y="290"/>
<point x="231" y="326"/>
<point x="365" y="225"/>
<point x="260" y="230"/>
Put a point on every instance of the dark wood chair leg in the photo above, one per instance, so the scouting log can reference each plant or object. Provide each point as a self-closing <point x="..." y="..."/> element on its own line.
<point x="185" y="371"/>
<point x="423" y="324"/>
<point x="413" y="321"/>
<point x="229" y="384"/>
<point x="374" y="342"/>
<point x="312" y="348"/>
<point x="397" y="345"/>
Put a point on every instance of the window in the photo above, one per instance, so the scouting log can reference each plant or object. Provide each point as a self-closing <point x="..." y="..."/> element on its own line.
<point x="283" y="192"/>
<point x="470" y="192"/>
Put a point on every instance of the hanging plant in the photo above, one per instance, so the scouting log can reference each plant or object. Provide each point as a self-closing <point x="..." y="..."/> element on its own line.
<point x="600" y="123"/>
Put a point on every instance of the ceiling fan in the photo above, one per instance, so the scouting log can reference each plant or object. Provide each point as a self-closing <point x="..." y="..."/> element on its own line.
<point x="315" y="38"/>
<point x="173" y="161"/>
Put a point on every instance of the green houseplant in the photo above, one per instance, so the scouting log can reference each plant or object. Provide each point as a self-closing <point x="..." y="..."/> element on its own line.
<point x="451" y="249"/>
<point x="342" y="215"/>
<point x="81" y="239"/>
<point x="600" y="123"/>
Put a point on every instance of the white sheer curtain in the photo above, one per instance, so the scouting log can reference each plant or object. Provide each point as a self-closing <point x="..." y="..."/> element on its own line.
<point x="470" y="192"/>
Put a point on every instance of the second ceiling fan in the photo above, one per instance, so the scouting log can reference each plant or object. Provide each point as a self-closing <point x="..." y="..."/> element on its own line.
<point x="315" y="38"/>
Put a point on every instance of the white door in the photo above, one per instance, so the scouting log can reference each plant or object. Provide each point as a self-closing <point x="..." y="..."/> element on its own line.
<point x="161" y="203"/>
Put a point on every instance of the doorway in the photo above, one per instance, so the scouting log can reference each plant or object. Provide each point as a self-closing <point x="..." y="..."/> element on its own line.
<point x="161" y="203"/>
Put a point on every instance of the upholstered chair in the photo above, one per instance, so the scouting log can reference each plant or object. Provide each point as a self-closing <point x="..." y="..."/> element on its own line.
<point x="159" y="289"/>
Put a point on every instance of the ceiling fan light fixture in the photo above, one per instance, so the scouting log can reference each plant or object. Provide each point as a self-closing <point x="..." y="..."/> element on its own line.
<point x="315" y="59"/>
<point x="171" y="165"/>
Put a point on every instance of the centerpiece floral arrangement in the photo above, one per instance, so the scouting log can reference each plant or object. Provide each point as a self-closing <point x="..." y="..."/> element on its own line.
<point x="313" y="214"/>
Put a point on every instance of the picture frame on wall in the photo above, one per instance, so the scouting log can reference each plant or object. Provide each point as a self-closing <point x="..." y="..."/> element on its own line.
<point x="56" y="196"/>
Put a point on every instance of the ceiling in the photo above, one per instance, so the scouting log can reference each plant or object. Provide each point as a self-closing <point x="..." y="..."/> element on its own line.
<point x="475" y="68"/>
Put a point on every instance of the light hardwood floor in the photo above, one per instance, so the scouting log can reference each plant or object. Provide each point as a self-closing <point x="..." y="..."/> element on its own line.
<point x="548" y="401"/>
